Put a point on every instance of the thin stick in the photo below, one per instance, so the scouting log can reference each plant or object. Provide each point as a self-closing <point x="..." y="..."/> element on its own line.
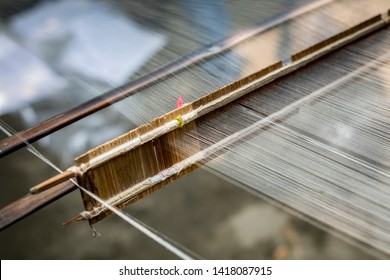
<point x="14" y="143"/>
<point x="53" y="181"/>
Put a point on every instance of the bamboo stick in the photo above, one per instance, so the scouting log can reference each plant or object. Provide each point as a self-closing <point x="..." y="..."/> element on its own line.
<point x="58" y="179"/>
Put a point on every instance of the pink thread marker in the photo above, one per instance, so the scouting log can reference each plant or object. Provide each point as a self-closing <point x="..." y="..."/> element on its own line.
<point x="180" y="101"/>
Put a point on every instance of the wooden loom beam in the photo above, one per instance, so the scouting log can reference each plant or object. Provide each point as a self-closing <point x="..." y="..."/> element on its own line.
<point x="30" y="203"/>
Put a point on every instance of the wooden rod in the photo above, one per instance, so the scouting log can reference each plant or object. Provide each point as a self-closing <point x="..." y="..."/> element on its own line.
<point x="31" y="203"/>
<point x="14" y="143"/>
<point x="53" y="181"/>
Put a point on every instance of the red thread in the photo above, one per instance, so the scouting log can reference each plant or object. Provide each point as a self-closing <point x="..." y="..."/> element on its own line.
<point x="180" y="101"/>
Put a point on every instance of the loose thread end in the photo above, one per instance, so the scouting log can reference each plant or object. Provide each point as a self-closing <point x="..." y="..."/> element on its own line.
<point x="95" y="233"/>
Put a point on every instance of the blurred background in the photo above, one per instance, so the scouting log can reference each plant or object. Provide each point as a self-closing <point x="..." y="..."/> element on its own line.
<point x="56" y="54"/>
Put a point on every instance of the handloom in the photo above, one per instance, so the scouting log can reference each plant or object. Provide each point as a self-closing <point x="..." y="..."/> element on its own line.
<point x="310" y="132"/>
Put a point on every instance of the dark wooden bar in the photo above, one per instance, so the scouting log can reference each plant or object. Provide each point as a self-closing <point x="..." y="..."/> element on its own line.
<point x="30" y="203"/>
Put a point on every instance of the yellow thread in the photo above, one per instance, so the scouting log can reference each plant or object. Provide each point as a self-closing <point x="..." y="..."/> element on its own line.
<point x="180" y="121"/>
